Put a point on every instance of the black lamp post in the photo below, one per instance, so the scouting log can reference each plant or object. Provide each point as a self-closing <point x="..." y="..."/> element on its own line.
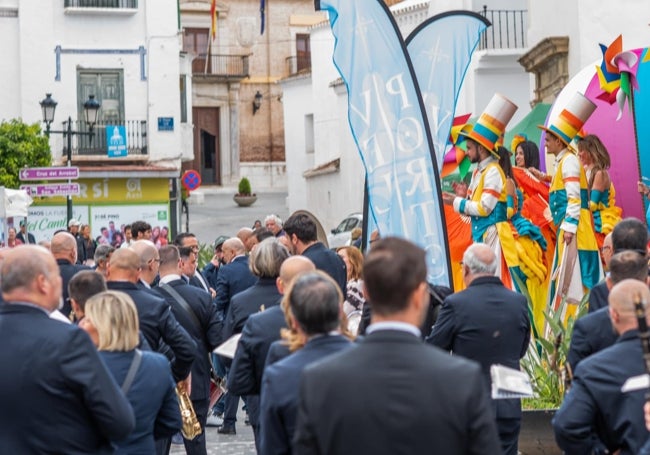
<point x="91" y="110"/>
<point x="257" y="102"/>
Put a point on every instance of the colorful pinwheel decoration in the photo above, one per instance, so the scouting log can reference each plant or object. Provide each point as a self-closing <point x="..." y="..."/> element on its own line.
<point x="617" y="74"/>
<point x="456" y="158"/>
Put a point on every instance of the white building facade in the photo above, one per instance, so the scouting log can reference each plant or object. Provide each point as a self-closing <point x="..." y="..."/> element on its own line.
<point x="126" y="53"/>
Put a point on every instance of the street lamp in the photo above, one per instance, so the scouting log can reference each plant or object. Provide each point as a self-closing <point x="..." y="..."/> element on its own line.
<point x="257" y="102"/>
<point x="91" y="110"/>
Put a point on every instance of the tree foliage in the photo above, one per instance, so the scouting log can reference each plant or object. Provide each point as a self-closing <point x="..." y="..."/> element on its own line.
<point x="244" y="187"/>
<point x="21" y="145"/>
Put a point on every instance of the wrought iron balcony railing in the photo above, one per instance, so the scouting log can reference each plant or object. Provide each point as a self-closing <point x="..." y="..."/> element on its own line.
<point x="128" y="4"/>
<point x="235" y="66"/>
<point x="82" y="145"/>
<point x="508" y="30"/>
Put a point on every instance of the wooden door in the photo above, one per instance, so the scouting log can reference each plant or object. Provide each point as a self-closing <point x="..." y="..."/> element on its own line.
<point x="207" y="159"/>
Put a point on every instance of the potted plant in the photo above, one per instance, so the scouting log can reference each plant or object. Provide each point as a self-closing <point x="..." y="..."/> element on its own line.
<point x="244" y="196"/>
<point x="545" y="365"/>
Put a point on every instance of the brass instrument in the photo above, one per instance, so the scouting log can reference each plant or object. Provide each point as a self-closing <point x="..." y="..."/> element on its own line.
<point x="644" y="334"/>
<point x="191" y="426"/>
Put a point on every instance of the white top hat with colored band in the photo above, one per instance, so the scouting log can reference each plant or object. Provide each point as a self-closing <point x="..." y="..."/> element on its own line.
<point x="492" y="122"/>
<point x="572" y="118"/>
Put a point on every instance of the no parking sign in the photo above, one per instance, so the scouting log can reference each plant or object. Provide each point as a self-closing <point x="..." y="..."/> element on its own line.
<point x="191" y="180"/>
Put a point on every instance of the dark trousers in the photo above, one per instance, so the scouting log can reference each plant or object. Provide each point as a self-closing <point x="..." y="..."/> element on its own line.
<point x="197" y="445"/>
<point x="253" y="407"/>
<point x="230" y="411"/>
<point x="509" y="434"/>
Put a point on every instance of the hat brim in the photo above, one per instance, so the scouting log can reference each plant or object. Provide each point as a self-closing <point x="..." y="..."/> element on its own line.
<point x="542" y="127"/>
<point x="479" y="140"/>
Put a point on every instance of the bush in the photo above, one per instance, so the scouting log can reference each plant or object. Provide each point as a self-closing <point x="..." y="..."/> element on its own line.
<point x="21" y="145"/>
<point x="244" y="188"/>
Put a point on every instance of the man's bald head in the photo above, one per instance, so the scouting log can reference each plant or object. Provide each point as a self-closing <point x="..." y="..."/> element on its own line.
<point x="621" y="304"/>
<point x="124" y="266"/>
<point x="146" y="251"/>
<point x="64" y="246"/>
<point x="291" y="268"/>
<point x="31" y="274"/>
<point x="479" y="260"/>
<point x="244" y="233"/>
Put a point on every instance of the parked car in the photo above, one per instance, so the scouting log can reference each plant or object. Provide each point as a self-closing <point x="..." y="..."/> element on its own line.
<point x="340" y="236"/>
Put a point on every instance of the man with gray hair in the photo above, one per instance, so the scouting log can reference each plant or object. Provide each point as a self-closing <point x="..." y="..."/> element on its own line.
<point x="487" y="323"/>
<point x="56" y="395"/>
<point x="274" y="224"/>
<point x="102" y="257"/>
<point x="315" y="302"/>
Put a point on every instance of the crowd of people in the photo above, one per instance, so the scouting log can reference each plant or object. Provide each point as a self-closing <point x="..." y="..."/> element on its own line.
<point x="338" y="352"/>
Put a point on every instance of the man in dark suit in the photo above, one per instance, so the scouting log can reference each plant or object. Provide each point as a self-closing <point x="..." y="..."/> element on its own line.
<point x="301" y="231"/>
<point x="200" y="319"/>
<point x="157" y="322"/>
<point x="315" y="307"/>
<point x="261" y="330"/>
<point x="393" y="393"/>
<point x="211" y="269"/>
<point x="489" y="324"/>
<point x="24" y="236"/>
<point x="234" y="277"/>
<point x="596" y="416"/>
<point x="56" y="394"/>
<point x="594" y="332"/>
<point x="628" y="234"/>
<point x="265" y="262"/>
<point x="195" y="276"/>
<point x="64" y="250"/>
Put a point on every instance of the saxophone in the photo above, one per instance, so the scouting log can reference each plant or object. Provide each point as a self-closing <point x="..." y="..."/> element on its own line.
<point x="191" y="426"/>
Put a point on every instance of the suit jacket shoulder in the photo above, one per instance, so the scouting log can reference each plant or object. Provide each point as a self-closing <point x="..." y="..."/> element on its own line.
<point x="345" y="410"/>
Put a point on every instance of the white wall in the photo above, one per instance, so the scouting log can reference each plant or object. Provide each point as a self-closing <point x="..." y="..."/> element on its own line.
<point x="43" y="25"/>
<point x="587" y="23"/>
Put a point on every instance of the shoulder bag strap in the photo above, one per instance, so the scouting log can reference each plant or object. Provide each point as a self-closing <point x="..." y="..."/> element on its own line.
<point x="183" y="303"/>
<point x="133" y="369"/>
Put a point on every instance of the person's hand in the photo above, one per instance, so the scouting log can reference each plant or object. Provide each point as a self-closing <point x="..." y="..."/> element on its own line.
<point x="448" y="198"/>
<point x="643" y="188"/>
<point x="460" y="189"/>
<point x="568" y="237"/>
<point x="213" y="293"/>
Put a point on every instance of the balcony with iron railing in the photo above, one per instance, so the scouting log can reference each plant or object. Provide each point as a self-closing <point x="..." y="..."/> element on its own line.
<point x="298" y="64"/>
<point x="221" y="66"/>
<point x="129" y="4"/>
<point x="508" y="30"/>
<point x="86" y="148"/>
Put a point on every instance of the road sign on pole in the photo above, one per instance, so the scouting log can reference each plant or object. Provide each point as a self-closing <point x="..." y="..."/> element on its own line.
<point x="191" y="180"/>
<point x="48" y="173"/>
<point x="52" y="190"/>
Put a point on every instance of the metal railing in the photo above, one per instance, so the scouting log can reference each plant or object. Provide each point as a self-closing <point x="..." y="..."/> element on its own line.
<point x="221" y="65"/>
<point x="297" y="64"/>
<point x="130" y="4"/>
<point x="136" y="138"/>
<point x="508" y="30"/>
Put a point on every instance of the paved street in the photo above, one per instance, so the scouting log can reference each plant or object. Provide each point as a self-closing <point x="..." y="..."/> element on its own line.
<point x="240" y="444"/>
<point x="219" y="215"/>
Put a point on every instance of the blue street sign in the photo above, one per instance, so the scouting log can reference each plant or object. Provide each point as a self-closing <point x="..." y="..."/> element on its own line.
<point x="116" y="140"/>
<point x="165" y="123"/>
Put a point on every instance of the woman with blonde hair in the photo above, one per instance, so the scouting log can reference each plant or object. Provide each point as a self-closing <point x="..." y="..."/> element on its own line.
<point x="111" y="321"/>
<point x="354" y="298"/>
<point x="602" y="195"/>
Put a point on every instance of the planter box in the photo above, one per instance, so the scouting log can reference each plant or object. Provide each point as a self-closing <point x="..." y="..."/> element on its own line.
<point x="244" y="201"/>
<point x="536" y="436"/>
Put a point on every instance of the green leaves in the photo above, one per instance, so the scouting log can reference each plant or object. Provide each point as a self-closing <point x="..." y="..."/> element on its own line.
<point x="21" y="145"/>
<point x="546" y="358"/>
<point x="244" y="188"/>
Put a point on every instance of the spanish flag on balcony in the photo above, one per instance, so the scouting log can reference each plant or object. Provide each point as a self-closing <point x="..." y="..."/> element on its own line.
<point x="213" y="19"/>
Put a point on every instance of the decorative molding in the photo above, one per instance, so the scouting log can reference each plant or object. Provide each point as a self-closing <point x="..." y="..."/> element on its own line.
<point x="6" y="11"/>
<point x="326" y="168"/>
<point x="548" y="60"/>
<point x="58" y="50"/>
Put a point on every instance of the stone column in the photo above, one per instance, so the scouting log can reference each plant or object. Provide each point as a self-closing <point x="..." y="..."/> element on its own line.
<point x="233" y="98"/>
